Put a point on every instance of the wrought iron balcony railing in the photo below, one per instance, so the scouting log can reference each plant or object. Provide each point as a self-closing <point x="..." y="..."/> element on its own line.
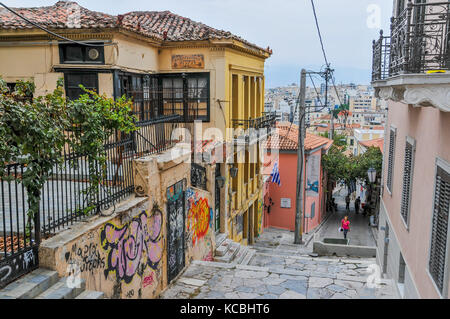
<point x="419" y="42"/>
<point x="268" y="120"/>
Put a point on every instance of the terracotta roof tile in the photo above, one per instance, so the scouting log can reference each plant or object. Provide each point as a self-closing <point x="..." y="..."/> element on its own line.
<point x="287" y="139"/>
<point x="56" y="17"/>
<point x="379" y="142"/>
<point x="162" y="25"/>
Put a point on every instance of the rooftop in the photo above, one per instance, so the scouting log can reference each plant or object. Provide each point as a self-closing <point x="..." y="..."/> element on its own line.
<point x="159" y="25"/>
<point x="379" y="143"/>
<point x="287" y="139"/>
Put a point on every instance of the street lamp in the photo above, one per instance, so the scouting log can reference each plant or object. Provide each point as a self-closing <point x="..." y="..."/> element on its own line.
<point x="233" y="172"/>
<point x="372" y="174"/>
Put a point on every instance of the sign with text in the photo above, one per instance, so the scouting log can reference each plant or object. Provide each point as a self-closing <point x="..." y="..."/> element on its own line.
<point x="194" y="61"/>
<point x="286" y="203"/>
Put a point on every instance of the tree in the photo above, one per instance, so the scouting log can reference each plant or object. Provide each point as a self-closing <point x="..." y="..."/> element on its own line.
<point x="346" y="169"/>
<point x="34" y="133"/>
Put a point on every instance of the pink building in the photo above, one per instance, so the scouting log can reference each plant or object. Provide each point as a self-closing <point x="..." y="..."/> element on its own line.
<point x="280" y="201"/>
<point x="413" y="237"/>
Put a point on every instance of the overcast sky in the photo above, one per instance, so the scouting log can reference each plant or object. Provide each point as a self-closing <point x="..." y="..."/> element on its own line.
<point x="287" y="26"/>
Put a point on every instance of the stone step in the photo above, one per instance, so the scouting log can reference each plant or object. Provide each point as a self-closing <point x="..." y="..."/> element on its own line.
<point x="88" y="294"/>
<point x="220" y="238"/>
<point x="230" y="254"/>
<point x="248" y="257"/>
<point x="224" y="247"/>
<point x="241" y="254"/>
<point x="60" y="290"/>
<point x="31" y="285"/>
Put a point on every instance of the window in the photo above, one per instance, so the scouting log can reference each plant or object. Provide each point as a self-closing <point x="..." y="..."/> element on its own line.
<point x="392" y="138"/>
<point x="186" y="95"/>
<point x="81" y="54"/>
<point x="143" y="90"/>
<point x="439" y="231"/>
<point x="73" y="81"/>
<point x="407" y="179"/>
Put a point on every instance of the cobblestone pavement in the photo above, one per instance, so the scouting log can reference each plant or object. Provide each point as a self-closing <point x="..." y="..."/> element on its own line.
<point x="280" y="272"/>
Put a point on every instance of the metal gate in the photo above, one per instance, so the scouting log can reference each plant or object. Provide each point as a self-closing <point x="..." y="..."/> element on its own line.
<point x="175" y="230"/>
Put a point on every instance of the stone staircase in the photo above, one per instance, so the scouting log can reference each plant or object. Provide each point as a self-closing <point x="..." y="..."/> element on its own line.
<point x="45" y="284"/>
<point x="229" y="252"/>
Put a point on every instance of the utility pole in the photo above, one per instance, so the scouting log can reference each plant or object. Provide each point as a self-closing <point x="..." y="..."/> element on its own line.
<point x="300" y="162"/>
<point x="328" y="74"/>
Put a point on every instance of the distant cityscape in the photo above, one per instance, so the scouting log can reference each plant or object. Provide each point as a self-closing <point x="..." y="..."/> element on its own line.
<point x="363" y="123"/>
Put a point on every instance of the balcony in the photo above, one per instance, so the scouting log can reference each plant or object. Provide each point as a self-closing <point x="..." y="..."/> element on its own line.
<point x="254" y="130"/>
<point x="412" y="64"/>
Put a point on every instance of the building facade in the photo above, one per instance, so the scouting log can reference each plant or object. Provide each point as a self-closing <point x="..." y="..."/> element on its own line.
<point x="412" y="73"/>
<point x="189" y="76"/>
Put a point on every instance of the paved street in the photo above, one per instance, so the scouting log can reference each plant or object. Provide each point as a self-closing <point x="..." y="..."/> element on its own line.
<point x="282" y="271"/>
<point x="360" y="233"/>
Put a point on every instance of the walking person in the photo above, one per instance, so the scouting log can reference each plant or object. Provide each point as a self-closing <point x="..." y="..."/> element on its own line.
<point x="345" y="224"/>
<point x="347" y="202"/>
<point x="357" y="205"/>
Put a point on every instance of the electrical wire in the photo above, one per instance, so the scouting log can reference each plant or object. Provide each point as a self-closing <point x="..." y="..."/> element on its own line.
<point x="53" y="33"/>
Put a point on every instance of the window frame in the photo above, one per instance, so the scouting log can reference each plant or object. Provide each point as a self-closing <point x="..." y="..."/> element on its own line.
<point x="444" y="165"/>
<point x="62" y="54"/>
<point x="79" y="72"/>
<point x="187" y="118"/>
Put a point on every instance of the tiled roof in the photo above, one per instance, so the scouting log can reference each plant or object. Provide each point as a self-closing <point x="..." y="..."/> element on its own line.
<point x="287" y="139"/>
<point x="163" y="25"/>
<point x="379" y="142"/>
<point x="56" y="17"/>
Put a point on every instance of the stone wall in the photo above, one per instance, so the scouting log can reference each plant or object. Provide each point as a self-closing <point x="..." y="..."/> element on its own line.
<point x="124" y="253"/>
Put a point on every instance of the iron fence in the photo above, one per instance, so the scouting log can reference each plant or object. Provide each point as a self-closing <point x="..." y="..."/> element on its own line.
<point x="64" y="199"/>
<point x="419" y="41"/>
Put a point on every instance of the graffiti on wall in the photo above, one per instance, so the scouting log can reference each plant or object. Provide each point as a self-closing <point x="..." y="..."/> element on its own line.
<point x="260" y="216"/>
<point x="200" y="216"/>
<point x="137" y="244"/>
<point x="86" y="257"/>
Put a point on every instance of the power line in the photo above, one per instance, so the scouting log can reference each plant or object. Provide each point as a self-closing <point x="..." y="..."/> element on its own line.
<point x="320" y="34"/>
<point x="51" y="32"/>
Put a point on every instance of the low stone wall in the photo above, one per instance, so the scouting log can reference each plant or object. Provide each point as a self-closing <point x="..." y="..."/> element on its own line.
<point x="124" y="252"/>
<point x="323" y="249"/>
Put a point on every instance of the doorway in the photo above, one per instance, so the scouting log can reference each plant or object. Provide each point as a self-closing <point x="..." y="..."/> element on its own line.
<point x="175" y="230"/>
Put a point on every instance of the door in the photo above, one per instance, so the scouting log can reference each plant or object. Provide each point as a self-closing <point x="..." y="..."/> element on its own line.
<point x="217" y="201"/>
<point x="176" y="230"/>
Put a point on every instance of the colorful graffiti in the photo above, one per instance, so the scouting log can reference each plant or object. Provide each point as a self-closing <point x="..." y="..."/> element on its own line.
<point x="139" y="243"/>
<point x="199" y="219"/>
<point x="260" y="216"/>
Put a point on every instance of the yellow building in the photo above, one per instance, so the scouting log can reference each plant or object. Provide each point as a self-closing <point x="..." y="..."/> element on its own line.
<point x="169" y="65"/>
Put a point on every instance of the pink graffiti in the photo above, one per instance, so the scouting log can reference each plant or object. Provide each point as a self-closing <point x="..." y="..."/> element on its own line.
<point x="148" y="281"/>
<point x="137" y="243"/>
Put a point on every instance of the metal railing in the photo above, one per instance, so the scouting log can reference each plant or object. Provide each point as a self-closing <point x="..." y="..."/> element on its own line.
<point x="268" y="120"/>
<point x="419" y="41"/>
<point x="63" y="198"/>
<point x="380" y="66"/>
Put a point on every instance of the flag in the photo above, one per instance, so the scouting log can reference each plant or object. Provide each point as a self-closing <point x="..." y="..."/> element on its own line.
<point x="276" y="175"/>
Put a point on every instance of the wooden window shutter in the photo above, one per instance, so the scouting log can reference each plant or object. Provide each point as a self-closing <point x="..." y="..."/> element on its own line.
<point x="440" y="228"/>
<point x="392" y="138"/>
<point x="407" y="180"/>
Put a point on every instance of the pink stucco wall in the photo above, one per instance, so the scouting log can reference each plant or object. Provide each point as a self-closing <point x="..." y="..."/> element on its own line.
<point x="431" y="130"/>
<point x="284" y="218"/>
